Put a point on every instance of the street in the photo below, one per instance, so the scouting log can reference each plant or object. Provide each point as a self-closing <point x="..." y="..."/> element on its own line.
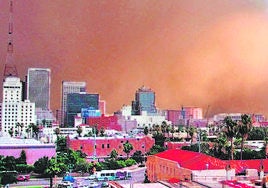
<point x="137" y="177"/>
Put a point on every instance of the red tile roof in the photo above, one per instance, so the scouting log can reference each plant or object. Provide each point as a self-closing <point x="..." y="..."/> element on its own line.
<point x="198" y="161"/>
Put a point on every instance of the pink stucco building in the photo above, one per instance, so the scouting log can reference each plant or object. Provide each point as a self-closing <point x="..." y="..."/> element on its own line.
<point x="34" y="150"/>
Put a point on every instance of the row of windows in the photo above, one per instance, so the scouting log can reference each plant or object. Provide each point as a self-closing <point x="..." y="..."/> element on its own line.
<point x="108" y="146"/>
<point x="15" y="106"/>
<point x="14" y="123"/>
<point x="17" y="87"/>
<point x="6" y="95"/>
<point x="167" y="170"/>
<point x="22" y="114"/>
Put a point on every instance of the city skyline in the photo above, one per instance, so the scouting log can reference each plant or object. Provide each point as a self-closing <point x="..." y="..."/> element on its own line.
<point x="195" y="53"/>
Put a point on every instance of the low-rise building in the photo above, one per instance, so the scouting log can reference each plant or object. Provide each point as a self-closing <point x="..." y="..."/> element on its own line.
<point x="106" y="122"/>
<point x="34" y="149"/>
<point x="105" y="145"/>
<point x="188" y="165"/>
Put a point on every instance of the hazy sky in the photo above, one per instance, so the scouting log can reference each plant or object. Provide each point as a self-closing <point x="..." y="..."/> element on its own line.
<point x="190" y="52"/>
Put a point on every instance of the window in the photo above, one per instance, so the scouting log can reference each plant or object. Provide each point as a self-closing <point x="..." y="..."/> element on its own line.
<point x="108" y="145"/>
<point x="102" y="146"/>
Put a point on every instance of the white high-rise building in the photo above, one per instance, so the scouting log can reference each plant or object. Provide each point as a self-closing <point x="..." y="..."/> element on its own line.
<point x="69" y="87"/>
<point x="15" y="111"/>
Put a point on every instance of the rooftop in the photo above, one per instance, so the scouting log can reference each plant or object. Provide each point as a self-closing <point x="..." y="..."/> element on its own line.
<point x="17" y="141"/>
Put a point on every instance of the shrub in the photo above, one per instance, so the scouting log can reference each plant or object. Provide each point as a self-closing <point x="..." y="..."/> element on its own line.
<point x="130" y="162"/>
<point x="121" y="164"/>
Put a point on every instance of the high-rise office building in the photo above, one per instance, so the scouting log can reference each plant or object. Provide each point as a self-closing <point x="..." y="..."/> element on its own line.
<point x="69" y="87"/>
<point x="15" y="111"/>
<point x="38" y="87"/>
<point x="144" y="101"/>
<point x="77" y="101"/>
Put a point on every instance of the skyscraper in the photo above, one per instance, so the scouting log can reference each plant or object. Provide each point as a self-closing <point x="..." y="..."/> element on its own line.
<point x="144" y="101"/>
<point x="38" y="87"/>
<point x="15" y="111"/>
<point x="76" y="101"/>
<point x="69" y="87"/>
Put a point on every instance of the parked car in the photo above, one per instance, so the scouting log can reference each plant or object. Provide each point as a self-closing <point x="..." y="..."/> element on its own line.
<point x="105" y="184"/>
<point x="23" y="177"/>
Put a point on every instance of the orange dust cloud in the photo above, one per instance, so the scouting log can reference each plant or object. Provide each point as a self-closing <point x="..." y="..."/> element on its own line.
<point x="191" y="53"/>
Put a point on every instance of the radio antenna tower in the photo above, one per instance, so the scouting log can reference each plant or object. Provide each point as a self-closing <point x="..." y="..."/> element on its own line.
<point x="10" y="68"/>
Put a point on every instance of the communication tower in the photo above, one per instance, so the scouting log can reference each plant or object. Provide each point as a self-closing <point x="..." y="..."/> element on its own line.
<point x="10" y="67"/>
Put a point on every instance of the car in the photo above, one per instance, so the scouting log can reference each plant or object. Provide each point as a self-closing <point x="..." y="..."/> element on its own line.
<point x="23" y="177"/>
<point x="105" y="184"/>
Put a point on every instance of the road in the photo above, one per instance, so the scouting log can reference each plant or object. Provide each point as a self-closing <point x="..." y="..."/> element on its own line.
<point x="137" y="177"/>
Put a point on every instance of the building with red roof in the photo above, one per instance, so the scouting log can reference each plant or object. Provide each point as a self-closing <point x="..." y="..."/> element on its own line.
<point x="183" y="164"/>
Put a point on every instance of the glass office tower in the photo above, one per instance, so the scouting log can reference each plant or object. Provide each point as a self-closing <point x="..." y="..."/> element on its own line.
<point x="38" y="87"/>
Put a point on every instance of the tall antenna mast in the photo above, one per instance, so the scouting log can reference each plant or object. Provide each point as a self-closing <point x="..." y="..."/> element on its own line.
<point x="10" y="68"/>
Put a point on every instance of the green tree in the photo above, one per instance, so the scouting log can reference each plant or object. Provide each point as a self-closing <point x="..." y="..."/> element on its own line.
<point x="146" y="131"/>
<point x="35" y="129"/>
<point x="244" y="127"/>
<point x="138" y="157"/>
<point x="24" y="168"/>
<point x="7" y="177"/>
<point x="130" y="162"/>
<point x="192" y="130"/>
<point x="102" y="131"/>
<point x="163" y="126"/>
<point x="159" y="139"/>
<point x="113" y="154"/>
<point x="156" y="149"/>
<point x="220" y="147"/>
<point x="41" y="165"/>
<point x="61" y="144"/>
<point x="10" y="163"/>
<point x="95" y="130"/>
<point x="19" y="127"/>
<point x="82" y="166"/>
<point x="172" y="132"/>
<point x="57" y="132"/>
<point x="127" y="148"/>
<point x="257" y="133"/>
<point x="56" y="166"/>
<point x="230" y="130"/>
<point x="89" y="134"/>
<point x="11" y="132"/>
<point x="79" y="130"/>
<point x="2" y="163"/>
<point x="22" y="158"/>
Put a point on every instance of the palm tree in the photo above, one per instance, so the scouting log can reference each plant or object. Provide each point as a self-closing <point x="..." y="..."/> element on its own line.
<point x="266" y="146"/>
<point x="244" y="127"/>
<point x="11" y="132"/>
<point x="192" y="130"/>
<point x="163" y="126"/>
<point x="102" y="131"/>
<point x="35" y="129"/>
<point x="230" y="130"/>
<point x="79" y="131"/>
<point x="145" y="130"/>
<point x="172" y="132"/>
<point x="57" y="132"/>
<point x="157" y="128"/>
<point x="168" y="129"/>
